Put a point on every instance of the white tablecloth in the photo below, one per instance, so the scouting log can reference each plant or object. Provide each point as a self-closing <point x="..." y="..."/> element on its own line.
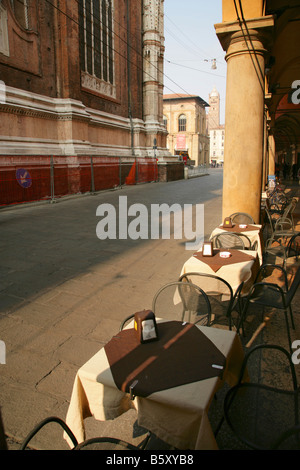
<point x="254" y="235"/>
<point x="177" y="415"/>
<point x="234" y="274"/>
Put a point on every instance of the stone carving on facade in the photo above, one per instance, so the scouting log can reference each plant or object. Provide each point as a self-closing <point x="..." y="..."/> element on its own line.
<point x="92" y="83"/>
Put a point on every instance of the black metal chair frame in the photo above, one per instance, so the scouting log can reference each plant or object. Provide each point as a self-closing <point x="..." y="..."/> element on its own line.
<point x="281" y="227"/>
<point x="291" y="250"/>
<point x="217" y="241"/>
<point x="83" y="445"/>
<point x="253" y="385"/>
<point x="248" y="219"/>
<point x="185" y="306"/>
<point x="293" y="431"/>
<point x="285" y="296"/>
<point x="184" y="299"/>
<point x="234" y="298"/>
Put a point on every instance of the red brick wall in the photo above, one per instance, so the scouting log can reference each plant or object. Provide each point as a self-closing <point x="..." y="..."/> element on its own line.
<point x="46" y="59"/>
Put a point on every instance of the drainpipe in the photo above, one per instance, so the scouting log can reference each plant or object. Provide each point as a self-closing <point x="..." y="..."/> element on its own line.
<point x="57" y="49"/>
<point x="129" y="79"/>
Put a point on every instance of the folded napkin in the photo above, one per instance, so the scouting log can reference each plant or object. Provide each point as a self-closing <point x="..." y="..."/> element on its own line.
<point x="216" y="262"/>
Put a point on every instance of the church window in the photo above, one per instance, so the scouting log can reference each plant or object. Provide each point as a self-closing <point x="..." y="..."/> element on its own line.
<point x="96" y="45"/>
<point x="21" y="12"/>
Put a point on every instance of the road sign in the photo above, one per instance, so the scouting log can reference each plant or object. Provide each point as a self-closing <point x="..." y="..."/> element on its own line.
<point x="23" y="178"/>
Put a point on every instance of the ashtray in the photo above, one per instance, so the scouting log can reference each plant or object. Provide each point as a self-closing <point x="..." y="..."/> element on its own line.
<point x="243" y="226"/>
<point x="225" y="254"/>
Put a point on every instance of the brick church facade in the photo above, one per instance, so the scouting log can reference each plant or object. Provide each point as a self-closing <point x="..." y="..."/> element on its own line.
<point x="81" y="94"/>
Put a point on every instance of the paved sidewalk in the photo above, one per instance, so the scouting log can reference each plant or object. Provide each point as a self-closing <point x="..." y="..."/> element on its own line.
<point x="64" y="292"/>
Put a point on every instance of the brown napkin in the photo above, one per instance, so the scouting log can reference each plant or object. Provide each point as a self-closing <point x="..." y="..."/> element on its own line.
<point x="182" y="354"/>
<point x="216" y="262"/>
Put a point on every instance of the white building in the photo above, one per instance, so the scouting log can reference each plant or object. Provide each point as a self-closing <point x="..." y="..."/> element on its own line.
<point x="215" y="129"/>
<point x="216" y="145"/>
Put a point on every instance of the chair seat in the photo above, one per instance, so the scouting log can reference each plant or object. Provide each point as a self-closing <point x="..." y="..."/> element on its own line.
<point x="258" y="414"/>
<point x="269" y="297"/>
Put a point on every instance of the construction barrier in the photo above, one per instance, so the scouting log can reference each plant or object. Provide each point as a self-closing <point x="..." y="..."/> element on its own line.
<point x="35" y="178"/>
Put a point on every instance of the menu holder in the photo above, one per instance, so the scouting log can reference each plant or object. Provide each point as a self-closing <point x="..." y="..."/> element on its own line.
<point x="145" y="326"/>
<point x="207" y="249"/>
<point x="227" y="222"/>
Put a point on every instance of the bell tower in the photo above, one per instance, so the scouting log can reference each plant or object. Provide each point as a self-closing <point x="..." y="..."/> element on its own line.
<point x="214" y="109"/>
<point x="153" y="57"/>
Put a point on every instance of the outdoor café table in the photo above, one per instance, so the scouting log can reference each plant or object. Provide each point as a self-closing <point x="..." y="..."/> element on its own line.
<point x="178" y="375"/>
<point x="242" y="266"/>
<point x="253" y="232"/>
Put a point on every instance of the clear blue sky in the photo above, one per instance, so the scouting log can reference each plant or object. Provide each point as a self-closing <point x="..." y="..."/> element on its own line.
<point x="190" y="46"/>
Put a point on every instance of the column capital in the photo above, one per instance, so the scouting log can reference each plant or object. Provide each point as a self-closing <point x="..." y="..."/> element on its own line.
<point x="236" y="34"/>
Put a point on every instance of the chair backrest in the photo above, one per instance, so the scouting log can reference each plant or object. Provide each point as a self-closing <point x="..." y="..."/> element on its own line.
<point x="270" y="220"/>
<point x="293" y="246"/>
<point x="228" y="240"/>
<point x="216" y="288"/>
<point x="242" y="218"/>
<point x="289" y="209"/>
<point x="182" y="301"/>
<point x="258" y="414"/>
<point x="246" y="240"/>
<point x="126" y="320"/>
<point x="293" y="287"/>
<point x="269" y="272"/>
<point x="211" y="284"/>
<point x="276" y="359"/>
<point x="256" y="410"/>
<point x="289" y="440"/>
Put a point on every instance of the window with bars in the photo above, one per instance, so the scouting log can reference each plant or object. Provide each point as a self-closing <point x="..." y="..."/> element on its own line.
<point x="96" y="44"/>
<point x="21" y="9"/>
<point x="182" y="123"/>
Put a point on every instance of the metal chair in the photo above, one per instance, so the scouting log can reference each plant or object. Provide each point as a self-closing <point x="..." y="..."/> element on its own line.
<point x="269" y="294"/>
<point x="284" y="249"/>
<point x="98" y="443"/>
<point x="289" y="440"/>
<point x="177" y="301"/>
<point x="280" y="227"/>
<point x="228" y="240"/>
<point x="293" y="248"/>
<point x="257" y="412"/>
<point x="185" y="300"/>
<point x="247" y="242"/>
<point x="222" y="299"/>
<point x="241" y="218"/>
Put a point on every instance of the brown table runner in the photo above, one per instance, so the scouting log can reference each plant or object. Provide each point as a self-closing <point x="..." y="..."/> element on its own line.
<point x="181" y="355"/>
<point x="237" y="229"/>
<point x="216" y="262"/>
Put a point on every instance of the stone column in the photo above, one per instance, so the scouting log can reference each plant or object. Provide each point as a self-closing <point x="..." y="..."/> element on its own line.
<point x="244" y="117"/>
<point x="271" y="147"/>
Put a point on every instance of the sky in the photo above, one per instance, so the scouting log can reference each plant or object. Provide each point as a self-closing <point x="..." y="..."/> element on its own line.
<point x="191" y="44"/>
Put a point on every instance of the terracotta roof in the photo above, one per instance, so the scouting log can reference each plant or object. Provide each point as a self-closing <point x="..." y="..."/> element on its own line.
<point x="179" y="96"/>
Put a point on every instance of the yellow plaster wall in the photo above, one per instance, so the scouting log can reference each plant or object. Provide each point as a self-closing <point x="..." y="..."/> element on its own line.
<point x="251" y="9"/>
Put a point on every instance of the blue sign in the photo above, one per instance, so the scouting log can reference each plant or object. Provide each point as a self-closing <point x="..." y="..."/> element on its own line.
<point x="23" y="178"/>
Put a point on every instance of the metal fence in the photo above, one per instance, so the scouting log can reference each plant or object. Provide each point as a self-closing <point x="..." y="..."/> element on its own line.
<point x="36" y="178"/>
